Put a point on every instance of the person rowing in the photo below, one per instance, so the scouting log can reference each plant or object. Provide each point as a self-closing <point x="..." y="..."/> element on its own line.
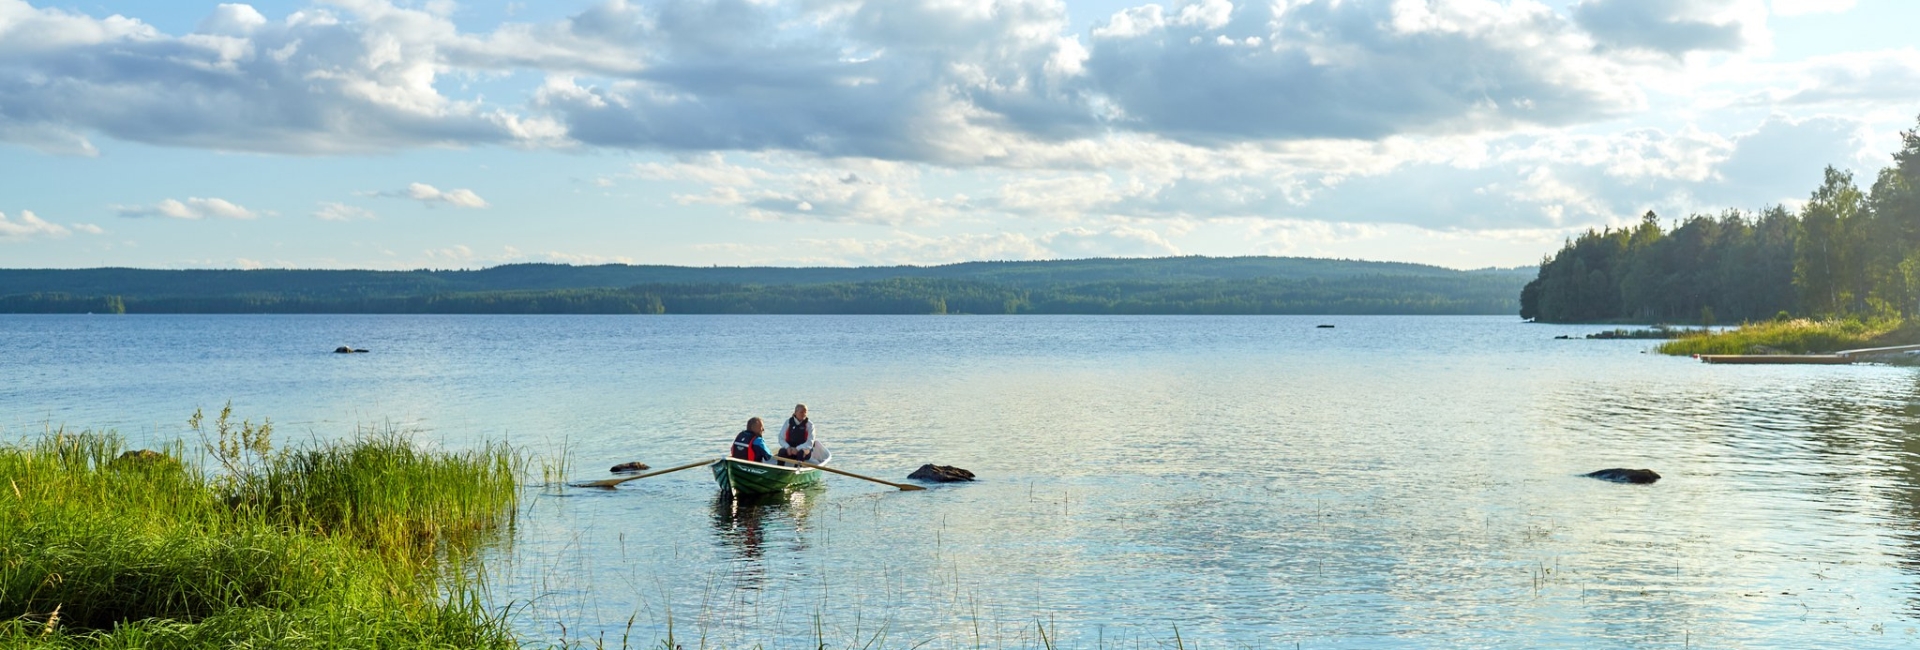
<point x="796" y="436"/>
<point x="749" y="445"/>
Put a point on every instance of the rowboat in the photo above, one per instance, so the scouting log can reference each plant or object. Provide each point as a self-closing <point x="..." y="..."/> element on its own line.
<point x="748" y="477"/>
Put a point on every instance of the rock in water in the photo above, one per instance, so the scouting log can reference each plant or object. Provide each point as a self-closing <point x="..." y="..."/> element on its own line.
<point x="940" y="474"/>
<point x="346" y="350"/>
<point x="1623" y="475"/>
<point x="635" y="466"/>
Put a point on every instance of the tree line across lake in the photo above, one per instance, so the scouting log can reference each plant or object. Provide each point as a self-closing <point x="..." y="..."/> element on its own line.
<point x="1188" y="285"/>
<point x="1847" y="252"/>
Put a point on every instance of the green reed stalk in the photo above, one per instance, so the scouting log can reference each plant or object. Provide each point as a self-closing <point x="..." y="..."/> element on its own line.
<point x="349" y="545"/>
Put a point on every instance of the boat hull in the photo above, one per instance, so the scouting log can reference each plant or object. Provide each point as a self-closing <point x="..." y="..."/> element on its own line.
<point x="745" y="477"/>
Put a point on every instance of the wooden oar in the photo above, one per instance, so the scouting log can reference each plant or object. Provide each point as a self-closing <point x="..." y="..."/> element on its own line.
<point x="610" y="482"/>
<point x="903" y="487"/>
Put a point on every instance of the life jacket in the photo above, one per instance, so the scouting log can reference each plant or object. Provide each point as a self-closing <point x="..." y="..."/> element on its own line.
<point x="797" y="440"/>
<point x="744" y="449"/>
<point x="799" y="435"/>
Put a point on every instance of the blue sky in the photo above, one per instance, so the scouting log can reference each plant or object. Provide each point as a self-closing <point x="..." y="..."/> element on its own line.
<point x="374" y="134"/>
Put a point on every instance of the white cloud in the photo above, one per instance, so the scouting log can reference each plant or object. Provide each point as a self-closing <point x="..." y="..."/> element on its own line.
<point x="1888" y="78"/>
<point x="430" y="195"/>
<point x="333" y="211"/>
<point x="232" y="19"/>
<point x="1803" y="7"/>
<point x="192" y="208"/>
<point x="1674" y="27"/>
<point x="30" y="226"/>
<point x="905" y="80"/>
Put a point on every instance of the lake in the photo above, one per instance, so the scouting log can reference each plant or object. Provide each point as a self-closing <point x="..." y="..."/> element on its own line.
<point x="1236" y="481"/>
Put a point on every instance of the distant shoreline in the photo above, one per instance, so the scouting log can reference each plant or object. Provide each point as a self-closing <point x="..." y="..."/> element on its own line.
<point x="1158" y="286"/>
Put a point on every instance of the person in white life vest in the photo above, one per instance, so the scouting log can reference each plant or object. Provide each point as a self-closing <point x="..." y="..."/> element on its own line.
<point x="796" y="436"/>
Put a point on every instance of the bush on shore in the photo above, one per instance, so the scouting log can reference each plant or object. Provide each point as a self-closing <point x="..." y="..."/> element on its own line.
<point x="357" y="544"/>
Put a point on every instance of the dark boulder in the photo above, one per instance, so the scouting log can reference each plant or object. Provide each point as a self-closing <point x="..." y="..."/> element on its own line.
<point x="1324" y="327"/>
<point x="1622" y="475"/>
<point x="940" y="474"/>
<point x="346" y="350"/>
<point x="635" y="466"/>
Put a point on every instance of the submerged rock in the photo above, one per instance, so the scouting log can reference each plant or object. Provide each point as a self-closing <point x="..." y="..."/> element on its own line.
<point x="346" y="350"/>
<point x="1324" y="327"/>
<point x="635" y="466"/>
<point x="1623" y="475"/>
<point x="940" y="474"/>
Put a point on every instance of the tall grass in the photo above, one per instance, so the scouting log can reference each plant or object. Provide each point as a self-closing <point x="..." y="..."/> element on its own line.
<point x="1796" y="336"/>
<point x="332" y="546"/>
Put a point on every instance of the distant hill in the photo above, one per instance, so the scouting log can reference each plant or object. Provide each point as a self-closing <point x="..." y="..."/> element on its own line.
<point x="1159" y="285"/>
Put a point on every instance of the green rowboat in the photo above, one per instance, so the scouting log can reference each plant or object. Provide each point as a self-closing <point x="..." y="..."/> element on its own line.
<point x="748" y="477"/>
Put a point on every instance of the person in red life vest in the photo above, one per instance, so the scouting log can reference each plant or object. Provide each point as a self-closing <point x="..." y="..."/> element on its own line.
<point x="796" y="436"/>
<point x="749" y="445"/>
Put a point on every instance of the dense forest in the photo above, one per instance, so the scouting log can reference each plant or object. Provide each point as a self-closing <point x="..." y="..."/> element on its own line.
<point x="1175" y="285"/>
<point x="332" y="284"/>
<point x="1846" y="252"/>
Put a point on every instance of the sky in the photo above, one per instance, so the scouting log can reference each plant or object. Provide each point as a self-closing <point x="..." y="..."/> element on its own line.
<point x="441" y="134"/>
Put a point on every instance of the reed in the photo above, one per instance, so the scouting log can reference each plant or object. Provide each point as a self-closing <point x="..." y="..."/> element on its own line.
<point x="356" y="544"/>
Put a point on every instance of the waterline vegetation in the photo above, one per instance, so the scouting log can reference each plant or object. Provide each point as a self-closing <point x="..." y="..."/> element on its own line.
<point x="1797" y="336"/>
<point x="362" y="543"/>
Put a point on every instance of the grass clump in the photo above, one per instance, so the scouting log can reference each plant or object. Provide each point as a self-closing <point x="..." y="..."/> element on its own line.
<point x="1796" y="336"/>
<point x="355" y="544"/>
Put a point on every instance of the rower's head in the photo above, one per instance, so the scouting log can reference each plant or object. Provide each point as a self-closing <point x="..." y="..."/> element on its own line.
<point x="799" y="411"/>
<point x="754" y="425"/>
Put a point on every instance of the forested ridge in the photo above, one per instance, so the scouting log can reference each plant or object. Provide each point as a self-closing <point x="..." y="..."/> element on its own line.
<point x="1184" y="285"/>
<point x="1846" y="252"/>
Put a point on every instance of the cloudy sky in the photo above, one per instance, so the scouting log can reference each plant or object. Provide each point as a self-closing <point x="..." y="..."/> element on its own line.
<point x="374" y="134"/>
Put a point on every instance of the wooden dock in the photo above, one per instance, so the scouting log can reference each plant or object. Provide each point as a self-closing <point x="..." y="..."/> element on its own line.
<point x="1838" y="358"/>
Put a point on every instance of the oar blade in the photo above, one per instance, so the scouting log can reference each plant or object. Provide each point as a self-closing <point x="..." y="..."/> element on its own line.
<point x="610" y="482"/>
<point x="910" y="488"/>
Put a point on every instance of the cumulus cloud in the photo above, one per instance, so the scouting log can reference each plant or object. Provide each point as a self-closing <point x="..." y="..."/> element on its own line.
<point x="30" y="226"/>
<point x="803" y="189"/>
<point x="315" y="82"/>
<point x="907" y="80"/>
<point x="333" y="211"/>
<point x="192" y="208"/>
<point x="1885" y="78"/>
<point x="1673" y="27"/>
<point x="1349" y="69"/>
<point x="430" y="195"/>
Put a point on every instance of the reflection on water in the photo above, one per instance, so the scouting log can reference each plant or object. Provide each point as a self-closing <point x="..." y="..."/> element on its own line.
<point x="740" y="523"/>
<point x="1256" y="482"/>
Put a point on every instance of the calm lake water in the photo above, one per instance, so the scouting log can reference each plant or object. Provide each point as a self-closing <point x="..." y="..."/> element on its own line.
<point x="1247" y="481"/>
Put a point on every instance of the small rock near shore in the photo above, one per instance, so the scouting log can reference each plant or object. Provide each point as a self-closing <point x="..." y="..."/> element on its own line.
<point x="1623" y="475"/>
<point x="635" y="466"/>
<point x="347" y="350"/>
<point x="940" y="474"/>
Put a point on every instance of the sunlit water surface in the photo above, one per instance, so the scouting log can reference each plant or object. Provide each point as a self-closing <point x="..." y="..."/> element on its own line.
<point x="1237" y="481"/>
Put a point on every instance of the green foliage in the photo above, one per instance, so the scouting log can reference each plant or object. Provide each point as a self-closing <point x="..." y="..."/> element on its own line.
<point x="1795" y="336"/>
<point x="99" y="552"/>
<point x="1847" y="253"/>
<point x="1412" y="291"/>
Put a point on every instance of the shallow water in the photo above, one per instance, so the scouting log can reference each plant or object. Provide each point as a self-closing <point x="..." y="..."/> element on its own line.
<point x="1246" y="481"/>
